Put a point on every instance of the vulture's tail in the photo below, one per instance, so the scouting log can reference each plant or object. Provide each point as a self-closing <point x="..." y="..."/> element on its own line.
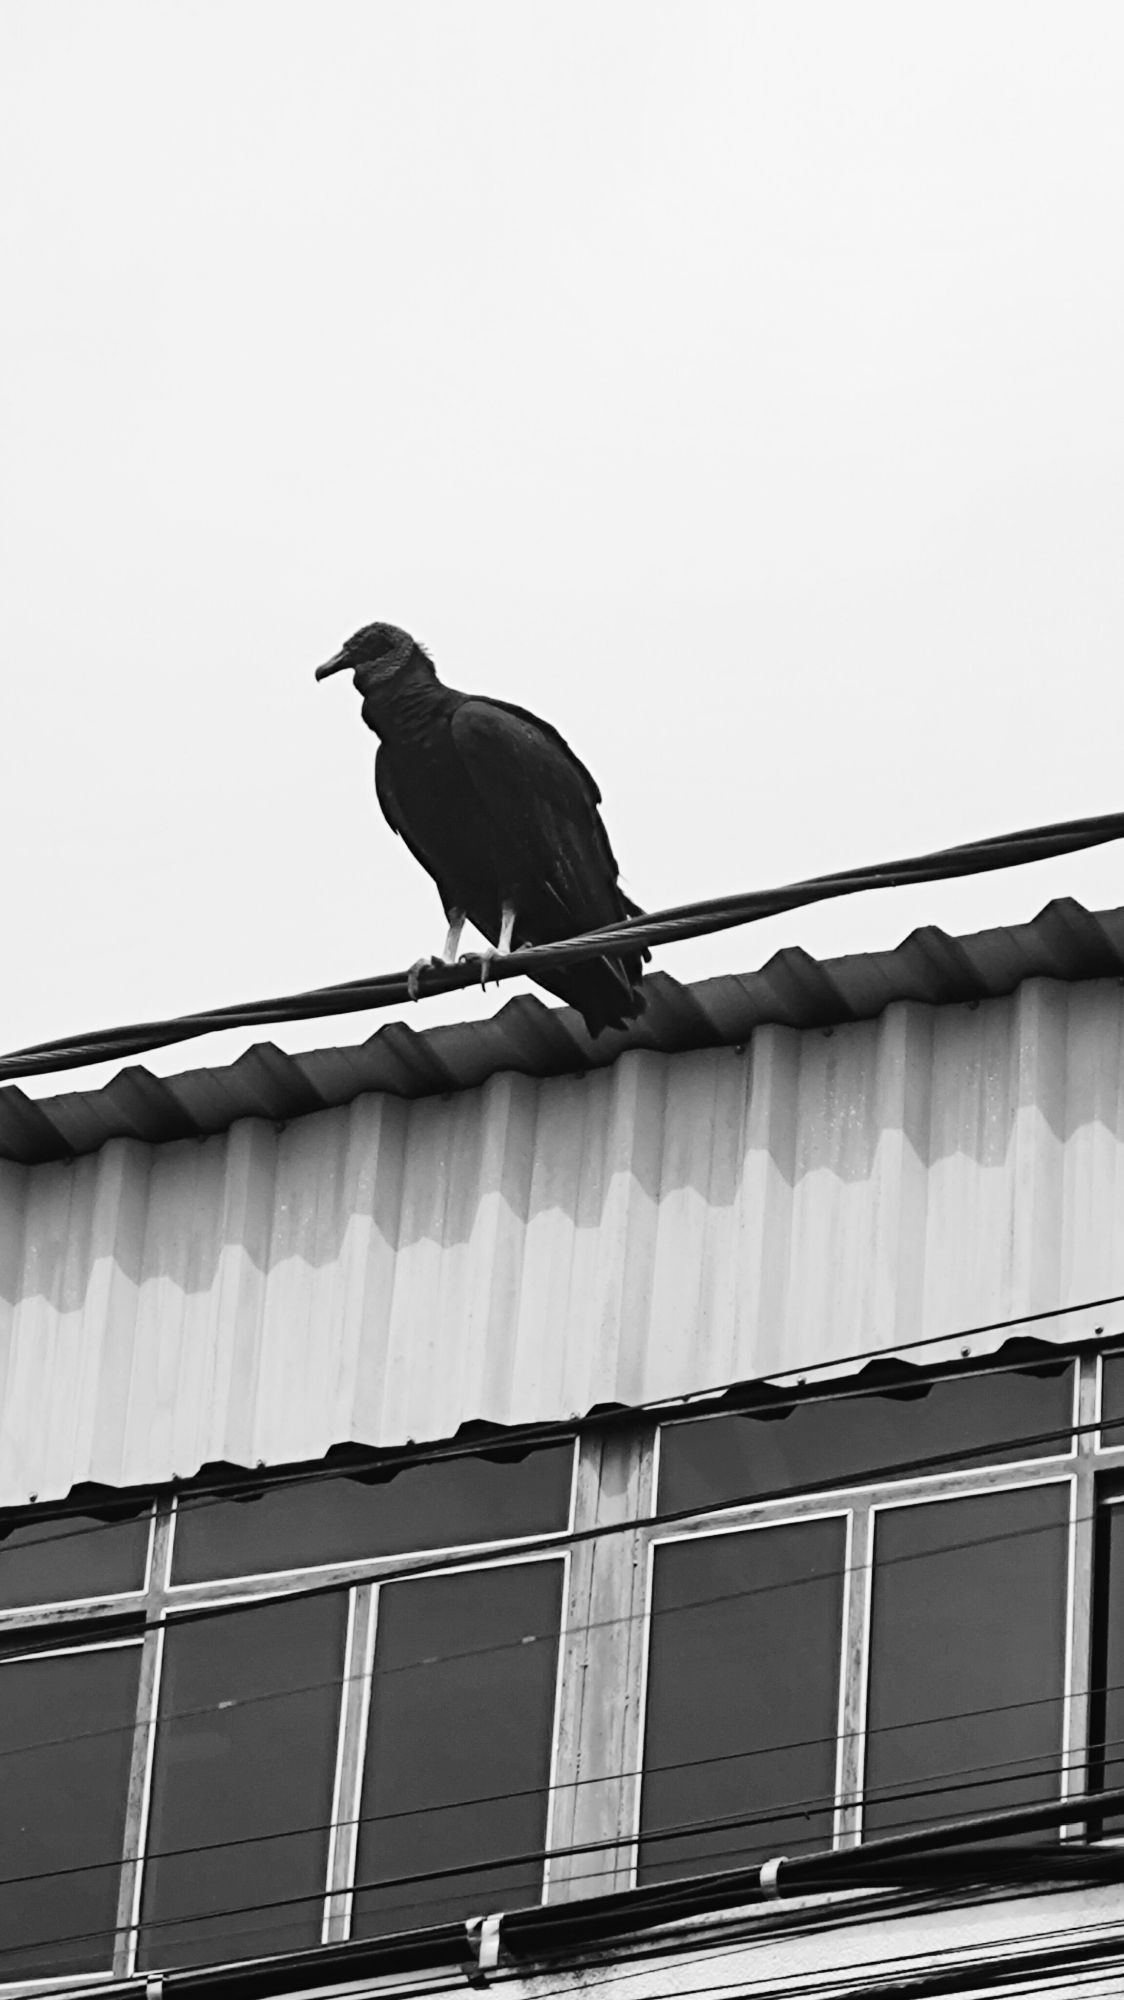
<point x="607" y="992"/>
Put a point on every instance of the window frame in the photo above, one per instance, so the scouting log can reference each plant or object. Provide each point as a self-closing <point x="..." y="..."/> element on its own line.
<point x="1080" y="1464"/>
<point x="607" y="1549"/>
<point x="711" y="1531"/>
<point x="142" y="1617"/>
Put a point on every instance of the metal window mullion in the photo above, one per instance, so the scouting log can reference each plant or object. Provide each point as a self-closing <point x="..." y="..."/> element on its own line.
<point x="1078" y="1662"/>
<point x="597" y="1739"/>
<point x="144" y="1737"/>
<point x="355" y="1705"/>
<point x="851" y="1743"/>
<point x="993" y="1477"/>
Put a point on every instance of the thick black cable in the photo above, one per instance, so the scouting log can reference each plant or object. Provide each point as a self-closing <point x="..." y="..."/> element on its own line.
<point x="826" y="1869"/>
<point x="738" y="1929"/>
<point x="1071" y="1863"/>
<point x="685" y="1949"/>
<point x="686" y="1946"/>
<point x="736" y="1932"/>
<point x="883" y="1975"/>
<point x="874" y="1970"/>
<point x="669" y="926"/>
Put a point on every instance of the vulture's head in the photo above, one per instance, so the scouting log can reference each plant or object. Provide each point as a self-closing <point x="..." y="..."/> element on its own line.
<point x="375" y="655"/>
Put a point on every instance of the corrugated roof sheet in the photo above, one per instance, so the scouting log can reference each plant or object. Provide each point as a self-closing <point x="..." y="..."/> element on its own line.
<point x="1064" y="942"/>
<point x="519" y="1253"/>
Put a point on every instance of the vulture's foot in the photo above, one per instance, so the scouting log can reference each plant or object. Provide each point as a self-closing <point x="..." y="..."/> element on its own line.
<point x="484" y="959"/>
<point x="490" y="953"/>
<point x="446" y="956"/>
<point x="414" y="975"/>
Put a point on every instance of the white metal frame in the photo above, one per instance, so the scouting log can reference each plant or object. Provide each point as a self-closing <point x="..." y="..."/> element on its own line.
<point x="1022" y="1484"/>
<point x="607" y="1553"/>
<point x="156" y="1606"/>
<point x="710" y="1530"/>
<point x="862" y="1501"/>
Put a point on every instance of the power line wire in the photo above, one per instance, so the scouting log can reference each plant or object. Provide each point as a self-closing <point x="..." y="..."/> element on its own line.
<point x="971" y="1777"/>
<point x="687" y="920"/>
<point x="384" y="1468"/>
<point x="741" y="1754"/>
<point x="686" y="1946"/>
<point x="935" y="1842"/>
<point x="557" y="1543"/>
<point x="777" y="1810"/>
<point x="71" y="1638"/>
<point x="773" y="1811"/>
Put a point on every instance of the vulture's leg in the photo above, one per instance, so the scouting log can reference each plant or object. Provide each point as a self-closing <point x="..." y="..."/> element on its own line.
<point x="448" y="954"/>
<point x="507" y="926"/>
<point x="453" y="936"/>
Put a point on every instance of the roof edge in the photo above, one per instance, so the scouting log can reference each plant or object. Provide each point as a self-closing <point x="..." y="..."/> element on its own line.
<point x="1064" y="942"/>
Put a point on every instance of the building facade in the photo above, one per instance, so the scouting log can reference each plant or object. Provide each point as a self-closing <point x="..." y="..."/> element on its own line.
<point x="487" y="1506"/>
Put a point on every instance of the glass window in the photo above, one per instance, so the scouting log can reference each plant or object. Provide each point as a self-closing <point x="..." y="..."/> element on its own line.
<point x="67" y="1556"/>
<point x="66" y="1739"/>
<point x="1112" y="1400"/>
<point x="966" y="1656"/>
<point x="448" y="1503"/>
<point x="459" y="1747"/>
<point x="743" y="1697"/>
<point x="715" y="1461"/>
<point x="242" y="1783"/>
<point x="1108" y="1727"/>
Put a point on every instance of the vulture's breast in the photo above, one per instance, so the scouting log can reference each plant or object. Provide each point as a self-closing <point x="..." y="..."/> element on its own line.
<point x="444" y="819"/>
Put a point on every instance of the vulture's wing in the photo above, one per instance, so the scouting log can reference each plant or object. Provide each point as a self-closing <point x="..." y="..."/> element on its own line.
<point x="395" y="818"/>
<point x="542" y="801"/>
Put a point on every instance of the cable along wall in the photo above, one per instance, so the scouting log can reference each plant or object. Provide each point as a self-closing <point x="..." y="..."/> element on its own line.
<point x="529" y="1250"/>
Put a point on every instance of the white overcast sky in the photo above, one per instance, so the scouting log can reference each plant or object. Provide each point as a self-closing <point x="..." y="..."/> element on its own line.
<point x="738" y="383"/>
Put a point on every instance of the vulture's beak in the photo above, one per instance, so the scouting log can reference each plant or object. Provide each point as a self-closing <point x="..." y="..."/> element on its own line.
<point x="335" y="665"/>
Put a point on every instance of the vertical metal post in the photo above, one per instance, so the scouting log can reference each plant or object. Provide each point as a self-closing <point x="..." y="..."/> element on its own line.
<point x="851" y="1750"/>
<point x="1075" y="1726"/>
<point x="354" y="1712"/>
<point x="598" y="1751"/>
<point x="144" y="1739"/>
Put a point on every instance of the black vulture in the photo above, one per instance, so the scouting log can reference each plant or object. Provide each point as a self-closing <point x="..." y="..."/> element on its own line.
<point x="495" y="805"/>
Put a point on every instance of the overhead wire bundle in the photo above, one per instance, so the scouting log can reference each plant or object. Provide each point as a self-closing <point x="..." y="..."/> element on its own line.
<point x="659" y="927"/>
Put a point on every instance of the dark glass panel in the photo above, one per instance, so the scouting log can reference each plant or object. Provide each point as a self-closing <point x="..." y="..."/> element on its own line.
<point x="446" y="1504"/>
<point x="243" y="1776"/>
<point x="1109" y="1672"/>
<point x="1112" y="1399"/>
<point x="66" y="1738"/>
<point x="715" y="1461"/>
<point x="966" y="1657"/>
<point x="743" y="1697"/>
<point x="462" y="1709"/>
<point x="61" y="1557"/>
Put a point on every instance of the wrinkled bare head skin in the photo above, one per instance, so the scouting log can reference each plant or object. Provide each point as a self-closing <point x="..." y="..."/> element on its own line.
<point x="374" y="654"/>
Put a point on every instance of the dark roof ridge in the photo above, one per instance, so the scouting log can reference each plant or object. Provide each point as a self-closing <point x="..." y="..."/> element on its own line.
<point x="1064" y="942"/>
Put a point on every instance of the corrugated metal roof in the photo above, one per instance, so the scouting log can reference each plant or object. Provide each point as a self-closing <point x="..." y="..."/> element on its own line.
<point x="531" y="1249"/>
<point x="1064" y="942"/>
